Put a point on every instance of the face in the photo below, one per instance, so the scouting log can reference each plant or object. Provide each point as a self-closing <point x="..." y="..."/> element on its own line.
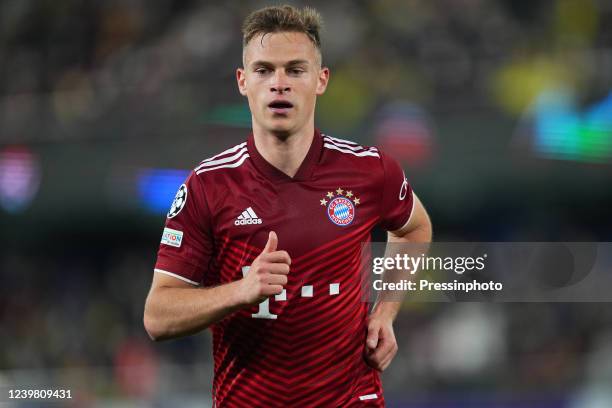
<point x="282" y="77"/>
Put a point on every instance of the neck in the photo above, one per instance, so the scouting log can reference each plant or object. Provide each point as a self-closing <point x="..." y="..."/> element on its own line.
<point x="284" y="151"/>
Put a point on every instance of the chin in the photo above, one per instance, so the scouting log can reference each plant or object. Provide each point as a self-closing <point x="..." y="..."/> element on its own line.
<point x="281" y="130"/>
<point x="282" y="134"/>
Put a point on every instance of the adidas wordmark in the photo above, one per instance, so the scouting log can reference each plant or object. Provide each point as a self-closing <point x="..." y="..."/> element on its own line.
<point x="248" y="217"/>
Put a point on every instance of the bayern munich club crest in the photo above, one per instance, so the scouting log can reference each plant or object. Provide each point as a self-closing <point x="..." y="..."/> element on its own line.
<point x="340" y="205"/>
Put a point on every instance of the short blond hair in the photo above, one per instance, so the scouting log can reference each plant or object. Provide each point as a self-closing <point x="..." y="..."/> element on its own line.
<point x="283" y="19"/>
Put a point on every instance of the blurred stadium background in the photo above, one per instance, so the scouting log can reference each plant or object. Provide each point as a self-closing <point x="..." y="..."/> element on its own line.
<point x="500" y="111"/>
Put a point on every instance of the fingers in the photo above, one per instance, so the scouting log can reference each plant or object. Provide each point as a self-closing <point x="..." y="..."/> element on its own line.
<point x="387" y="361"/>
<point x="275" y="279"/>
<point x="270" y="254"/>
<point x="276" y="257"/>
<point x="381" y="355"/>
<point x="272" y="243"/>
<point x="270" y="290"/>
<point x="277" y="268"/>
<point x="267" y="274"/>
<point x="372" y="339"/>
<point x="385" y="354"/>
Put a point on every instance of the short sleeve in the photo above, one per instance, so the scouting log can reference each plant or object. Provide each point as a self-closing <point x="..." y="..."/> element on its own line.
<point x="187" y="243"/>
<point x="397" y="199"/>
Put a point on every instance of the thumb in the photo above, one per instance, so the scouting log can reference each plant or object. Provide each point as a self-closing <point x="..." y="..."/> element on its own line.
<point x="372" y="340"/>
<point x="272" y="242"/>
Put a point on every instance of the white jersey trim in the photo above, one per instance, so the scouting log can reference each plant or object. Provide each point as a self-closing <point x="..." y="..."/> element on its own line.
<point x="222" y="161"/>
<point x="359" y="154"/>
<point x="226" y="166"/>
<point x="347" y="143"/>
<point x="411" y="213"/>
<point x="174" y="275"/>
<point x="350" y="147"/>
<point x="343" y="141"/>
<point x="228" y="151"/>
<point x="346" y="146"/>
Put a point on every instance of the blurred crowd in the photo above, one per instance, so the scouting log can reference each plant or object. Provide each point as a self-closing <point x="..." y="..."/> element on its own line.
<point x="76" y="71"/>
<point x="75" y="64"/>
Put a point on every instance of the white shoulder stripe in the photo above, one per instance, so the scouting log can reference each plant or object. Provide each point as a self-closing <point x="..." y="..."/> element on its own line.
<point x="225" y="166"/>
<point x="360" y="154"/>
<point x="343" y="141"/>
<point x="222" y="161"/>
<point x="228" y="151"/>
<point x="353" y="148"/>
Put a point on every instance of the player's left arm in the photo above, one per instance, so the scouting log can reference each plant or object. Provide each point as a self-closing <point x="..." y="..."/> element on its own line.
<point x="381" y="345"/>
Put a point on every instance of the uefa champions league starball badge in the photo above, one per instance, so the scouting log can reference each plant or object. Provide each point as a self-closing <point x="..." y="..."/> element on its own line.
<point x="179" y="201"/>
<point x="340" y="205"/>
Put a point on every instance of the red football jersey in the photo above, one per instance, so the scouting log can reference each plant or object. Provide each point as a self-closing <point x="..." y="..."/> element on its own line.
<point x="304" y="347"/>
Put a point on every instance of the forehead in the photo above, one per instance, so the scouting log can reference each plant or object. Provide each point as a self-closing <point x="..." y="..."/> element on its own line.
<point x="279" y="47"/>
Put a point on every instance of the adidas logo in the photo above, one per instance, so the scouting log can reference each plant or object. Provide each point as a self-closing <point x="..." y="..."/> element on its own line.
<point x="248" y="217"/>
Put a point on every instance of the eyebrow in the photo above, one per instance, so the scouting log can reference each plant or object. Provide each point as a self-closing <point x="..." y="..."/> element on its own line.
<point x="288" y="64"/>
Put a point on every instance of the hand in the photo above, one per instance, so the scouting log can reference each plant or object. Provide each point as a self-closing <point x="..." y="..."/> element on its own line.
<point x="267" y="275"/>
<point x="381" y="345"/>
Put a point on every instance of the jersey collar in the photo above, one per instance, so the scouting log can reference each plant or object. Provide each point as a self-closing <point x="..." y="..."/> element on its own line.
<point x="305" y="170"/>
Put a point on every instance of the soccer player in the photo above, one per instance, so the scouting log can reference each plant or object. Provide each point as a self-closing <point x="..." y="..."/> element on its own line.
<point x="263" y="241"/>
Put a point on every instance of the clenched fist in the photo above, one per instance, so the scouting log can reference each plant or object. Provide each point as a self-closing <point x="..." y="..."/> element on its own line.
<point x="267" y="274"/>
<point x="381" y="345"/>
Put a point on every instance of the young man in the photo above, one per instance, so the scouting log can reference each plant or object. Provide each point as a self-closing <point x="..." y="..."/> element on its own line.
<point x="263" y="241"/>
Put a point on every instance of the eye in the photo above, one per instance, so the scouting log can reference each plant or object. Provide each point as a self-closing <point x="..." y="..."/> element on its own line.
<point x="262" y="71"/>
<point x="296" y="71"/>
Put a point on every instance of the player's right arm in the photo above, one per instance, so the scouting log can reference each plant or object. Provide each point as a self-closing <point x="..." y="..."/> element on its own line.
<point x="178" y="304"/>
<point x="175" y="308"/>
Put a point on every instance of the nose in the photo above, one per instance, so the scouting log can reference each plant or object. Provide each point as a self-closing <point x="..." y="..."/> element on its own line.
<point x="279" y="83"/>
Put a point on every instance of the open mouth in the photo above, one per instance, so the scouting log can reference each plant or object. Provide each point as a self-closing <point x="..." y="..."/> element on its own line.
<point x="280" y="106"/>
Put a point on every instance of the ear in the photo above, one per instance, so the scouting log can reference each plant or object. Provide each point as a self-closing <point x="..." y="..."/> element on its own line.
<point x="322" y="80"/>
<point x="241" y="79"/>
